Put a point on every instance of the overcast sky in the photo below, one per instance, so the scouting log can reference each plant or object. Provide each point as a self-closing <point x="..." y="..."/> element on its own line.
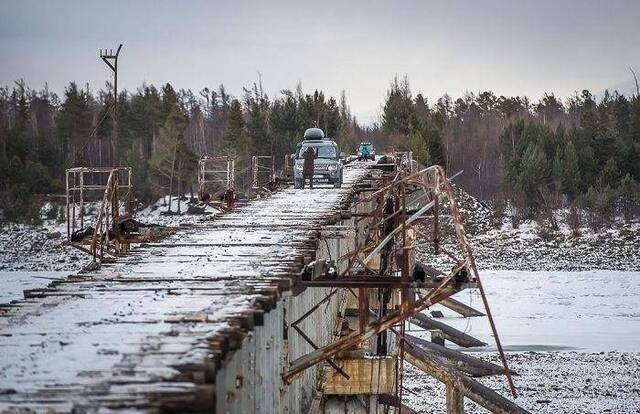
<point x="510" y="47"/>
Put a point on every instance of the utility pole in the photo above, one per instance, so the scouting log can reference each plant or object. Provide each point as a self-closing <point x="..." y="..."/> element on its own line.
<point x="111" y="60"/>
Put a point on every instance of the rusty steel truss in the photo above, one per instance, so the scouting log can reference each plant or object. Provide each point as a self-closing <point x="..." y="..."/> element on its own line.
<point x="104" y="235"/>
<point x="402" y="202"/>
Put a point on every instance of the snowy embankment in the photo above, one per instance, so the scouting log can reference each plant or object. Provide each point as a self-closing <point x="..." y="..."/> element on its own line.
<point x="548" y="383"/>
<point x="37" y="248"/>
<point x="528" y="247"/>
<point x="617" y="248"/>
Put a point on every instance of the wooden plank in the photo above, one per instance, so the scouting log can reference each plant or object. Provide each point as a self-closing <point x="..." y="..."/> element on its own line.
<point x="450" y="334"/>
<point x="470" y="388"/>
<point x="456" y="359"/>
<point x="461" y="308"/>
<point x="366" y="376"/>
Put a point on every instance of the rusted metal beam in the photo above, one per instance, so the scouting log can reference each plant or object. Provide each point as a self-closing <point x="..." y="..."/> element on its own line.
<point x="314" y="307"/>
<point x="363" y="307"/>
<point x="357" y="282"/>
<point x="314" y="346"/>
<point x="372" y="329"/>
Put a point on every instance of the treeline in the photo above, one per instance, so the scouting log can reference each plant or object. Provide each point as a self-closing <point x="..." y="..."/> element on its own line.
<point x="161" y="134"/>
<point x="532" y="157"/>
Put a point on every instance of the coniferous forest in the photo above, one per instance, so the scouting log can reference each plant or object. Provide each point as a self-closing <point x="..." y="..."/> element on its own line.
<point x="579" y="152"/>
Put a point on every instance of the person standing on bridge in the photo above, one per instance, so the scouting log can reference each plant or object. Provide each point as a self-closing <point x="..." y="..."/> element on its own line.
<point x="307" y="168"/>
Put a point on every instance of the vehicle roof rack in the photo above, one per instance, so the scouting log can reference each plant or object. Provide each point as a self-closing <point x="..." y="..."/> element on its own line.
<point x="313" y="134"/>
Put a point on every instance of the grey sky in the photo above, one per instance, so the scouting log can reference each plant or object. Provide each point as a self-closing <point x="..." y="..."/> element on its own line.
<point x="511" y="47"/>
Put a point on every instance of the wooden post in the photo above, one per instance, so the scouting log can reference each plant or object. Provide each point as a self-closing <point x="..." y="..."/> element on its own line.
<point x="436" y="225"/>
<point x="462" y="362"/>
<point x="455" y="400"/>
<point x="437" y="337"/>
<point x="68" y="218"/>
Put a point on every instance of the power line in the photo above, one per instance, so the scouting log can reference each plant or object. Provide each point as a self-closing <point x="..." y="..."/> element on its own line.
<point x="111" y="59"/>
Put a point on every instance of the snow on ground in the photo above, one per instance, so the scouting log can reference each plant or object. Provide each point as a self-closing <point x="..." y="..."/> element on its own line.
<point x="524" y="249"/>
<point x="114" y="326"/>
<point x="156" y="213"/>
<point x="37" y="248"/>
<point x="41" y="247"/>
<point x="528" y="248"/>
<point x="589" y="311"/>
<point x="567" y="310"/>
<point x="548" y="383"/>
<point x="573" y="338"/>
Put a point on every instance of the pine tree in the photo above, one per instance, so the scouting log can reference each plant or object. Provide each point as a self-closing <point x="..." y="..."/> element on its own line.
<point x="558" y="168"/>
<point x="534" y="172"/>
<point x="571" y="172"/>
<point x="257" y="126"/>
<point x="140" y="174"/>
<point x="74" y="123"/>
<point x="634" y="121"/>
<point x="398" y="112"/>
<point x="436" y="146"/>
<point x="549" y="108"/>
<point x="235" y="142"/>
<point x="621" y="114"/>
<point x="419" y="147"/>
<point x="629" y="191"/>
<point x="18" y="138"/>
<point x="185" y="166"/>
<point x="610" y="174"/>
<point x="422" y="110"/>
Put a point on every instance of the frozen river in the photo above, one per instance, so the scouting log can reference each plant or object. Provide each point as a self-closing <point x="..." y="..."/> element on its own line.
<point x="544" y="311"/>
<point x="534" y="311"/>
<point x="12" y="284"/>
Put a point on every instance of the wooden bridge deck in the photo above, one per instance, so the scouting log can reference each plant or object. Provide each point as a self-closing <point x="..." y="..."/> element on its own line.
<point x="151" y="329"/>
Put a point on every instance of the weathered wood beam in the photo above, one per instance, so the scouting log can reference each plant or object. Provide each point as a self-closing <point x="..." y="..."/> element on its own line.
<point x="338" y="233"/>
<point x="373" y="282"/>
<point x="456" y="359"/>
<point x="461" y="308"/>
<point x="450" y="334"/>
<point x="470" y="388"/>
